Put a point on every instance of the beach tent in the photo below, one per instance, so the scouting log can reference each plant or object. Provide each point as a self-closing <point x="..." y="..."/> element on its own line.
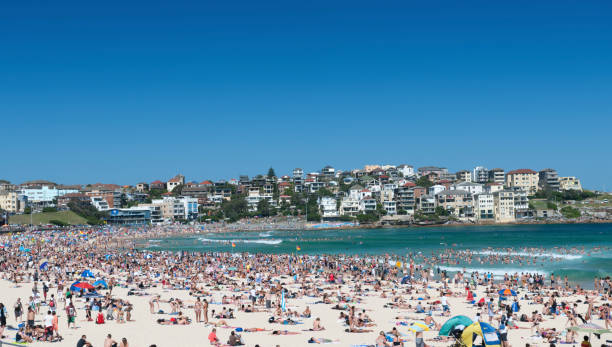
<point x="44" y="266"/>
<point x="507" y="292"/>
<point x="405" y="280"/>
<point x="453" y="323"/>
<point x="87" y="273"/>
<point x="100" y="283"/>
<point x="484" y="330"/>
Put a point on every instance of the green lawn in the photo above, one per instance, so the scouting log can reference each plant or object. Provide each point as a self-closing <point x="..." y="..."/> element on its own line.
<point x="67" y="217"/>
<point x="539" y="204"/>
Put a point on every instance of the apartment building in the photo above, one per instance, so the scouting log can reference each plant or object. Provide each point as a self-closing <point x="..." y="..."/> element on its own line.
<point x="569" y="183"/>
<point x="484" y="207"/>
<point x="524" y="178"/>
<point x="549" y="179"/>
<point x="11" y="202"/>
<point x="463" y="176"/>
<point x="504" y="206"/>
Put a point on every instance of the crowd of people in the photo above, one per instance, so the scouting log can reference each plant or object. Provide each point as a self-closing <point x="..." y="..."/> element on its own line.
<point x="319" y="299"/>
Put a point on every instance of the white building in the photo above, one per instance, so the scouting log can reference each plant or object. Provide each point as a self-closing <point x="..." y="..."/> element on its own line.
<point x="390" y="207"/>
<point x="327" y="205"/>
<point x="480" y="174"/>
<point x="484" y="207"/>
<point x="406" y="170"/>
<point x="470" y="187"/>
<point x="367" y="204"/>
<point x="45" y="195"/>
<point x="435" y="189"/>
<point x="349" y="207"/>
<point x="99" y="203"/>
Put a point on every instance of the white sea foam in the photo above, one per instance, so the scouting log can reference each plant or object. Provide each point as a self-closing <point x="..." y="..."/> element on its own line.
<point x="260" y="241"/>
<point x="527" y="254"/>
<point x="265" y="242"/>
<point x="497" y="272"/>
<point x="266" y="234"/>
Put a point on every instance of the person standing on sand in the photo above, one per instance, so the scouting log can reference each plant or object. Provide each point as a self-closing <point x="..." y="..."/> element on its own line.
<point x="205" y="309"/>
<point x="197" y="307"/>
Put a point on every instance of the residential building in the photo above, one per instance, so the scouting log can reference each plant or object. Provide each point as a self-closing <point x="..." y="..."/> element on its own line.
<point x="174" y="182"/>
<point x="569" y="183"/>
<point x="464" y="176"/>
<point x="484" y="206"/>
<point x="142" y="187"/>
<point x="480" y="174"/>
<point x="42" y="196"/>
<point x="470" y="187"/>
<point x="437" y="171"/>
<point x="367" y="204"/>
<point x="349" y="206"/>
<point x="99" y="203"/>
<point x="328" y="172"/>
<point x="129" y="216"/>
<point x="503" y="201"/>
<point x="406" y="170"/>
<point x="426" y="204"/>
<point x="405" y="198"/>
<point x="524" y="178"/>
<point x="549" y="180"/>
<point x="458" y="202"/>
<point x="190" y="206"/>
<point x="435" y="189"/>
<point x="157" y="185"/>
<point x="493" y="187"/>
<point x="327" y="206"/>
<point x="390" y="207"/>
<point x="112" y="197"/>
<point x="497" y="175"/>
<point x="11" y="202"/>
<point x="62" y="201"/>
<point x="155" y="212"/>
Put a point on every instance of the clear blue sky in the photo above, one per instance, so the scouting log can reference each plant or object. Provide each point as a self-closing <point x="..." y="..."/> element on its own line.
<point x="126" y="91"/>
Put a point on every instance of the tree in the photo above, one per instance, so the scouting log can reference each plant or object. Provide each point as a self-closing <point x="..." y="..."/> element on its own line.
<point x="263" y="208"/>
<point x="440" y="211"/>
<point x="235" y="208"/>
<point x="423" y="181"/>
<point x="367" y="218"/>
<point x="271" y="173"/>
<point x="570" y="212"/>
<point x="178" y="190"/>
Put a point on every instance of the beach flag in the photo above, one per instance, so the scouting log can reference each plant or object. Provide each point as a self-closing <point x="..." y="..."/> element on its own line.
<point x="233" y="245"/>
<point x="298" y="248"/>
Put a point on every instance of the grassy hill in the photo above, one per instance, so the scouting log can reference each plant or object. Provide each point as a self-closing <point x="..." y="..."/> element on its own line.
<point x="67" y="217"/>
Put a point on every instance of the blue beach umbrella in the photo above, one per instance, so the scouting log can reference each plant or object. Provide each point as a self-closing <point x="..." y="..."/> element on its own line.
<point x="87" y="273"/>
<point x="100" y="283"/>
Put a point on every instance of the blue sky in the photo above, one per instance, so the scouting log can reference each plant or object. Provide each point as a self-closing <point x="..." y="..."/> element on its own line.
<point x="125" y="91"/>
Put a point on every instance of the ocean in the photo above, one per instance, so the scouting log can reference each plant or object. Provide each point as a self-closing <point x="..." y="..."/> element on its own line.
<point x="578" y="251"/>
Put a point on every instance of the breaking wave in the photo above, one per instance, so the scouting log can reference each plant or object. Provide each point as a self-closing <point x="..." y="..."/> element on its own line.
<point x="527" y="254"/>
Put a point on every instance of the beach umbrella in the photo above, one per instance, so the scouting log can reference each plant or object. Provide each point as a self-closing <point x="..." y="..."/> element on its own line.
<point x="453" y="323"/>
<point x="100" y="283"/>
<point x="484" y="330"/>
<point x="419" y="326"/>
<point x="87" y="273"/>
<point x="44" y="266"/>
<point x="507" y="292"/>
<point x="590" y="328"/>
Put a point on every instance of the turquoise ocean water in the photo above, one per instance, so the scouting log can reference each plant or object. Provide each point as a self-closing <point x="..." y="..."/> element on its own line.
<point x="553" y="242"/>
